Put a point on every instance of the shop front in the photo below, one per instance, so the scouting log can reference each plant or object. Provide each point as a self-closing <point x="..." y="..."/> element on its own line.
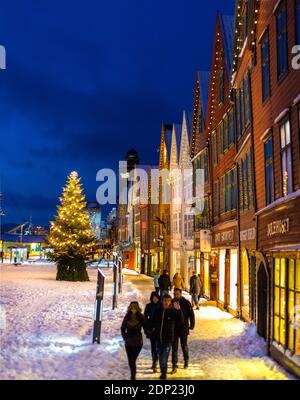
<point x="128" y="255"/>
<point x="279" y="244"/>
<point x="225" y="251"/>
<point x="175" y="258"/>
<point x="17" y="249"/>
<point x="202" y="242"/>
<point x="17" y="254"/>
<point x="247" y="271"/>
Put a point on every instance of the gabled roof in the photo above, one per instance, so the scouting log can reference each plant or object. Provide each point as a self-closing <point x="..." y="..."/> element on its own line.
<point x="177" y="130"/>
<point x="165" y="144"/>
<point x="204" y="80"/>
<point x="227" y="29"/>
<point x="184" y="154"/>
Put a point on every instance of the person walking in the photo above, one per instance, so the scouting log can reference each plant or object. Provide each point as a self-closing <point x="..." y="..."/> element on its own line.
<point x="164" y="283"/>
<point x="131" y="331"/>
<point x="195" y="289"/>
<point x="182" y="331"/>
<point x="155" y="281"/>
<point x="148" y="327"/>
<point x="202" y="288"/>
<point x="178" y="282"/>
<point x="165" y="318"/>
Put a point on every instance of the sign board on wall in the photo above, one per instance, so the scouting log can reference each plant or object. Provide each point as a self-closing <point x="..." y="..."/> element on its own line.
<point x="279" y="227"/>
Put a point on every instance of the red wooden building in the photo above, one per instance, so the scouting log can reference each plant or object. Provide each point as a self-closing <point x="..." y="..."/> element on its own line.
<point x="275" y="86"/>
<point x="223" y="177"/>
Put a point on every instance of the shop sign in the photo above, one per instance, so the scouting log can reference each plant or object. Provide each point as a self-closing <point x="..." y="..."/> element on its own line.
<point x="205" y="240"/>
<point x="226" y="236"/>
<point x="279" y="227"/>
<point x="248" y="234"/>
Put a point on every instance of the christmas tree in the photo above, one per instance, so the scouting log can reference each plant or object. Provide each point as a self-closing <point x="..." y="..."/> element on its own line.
<point x="71" y="236"/>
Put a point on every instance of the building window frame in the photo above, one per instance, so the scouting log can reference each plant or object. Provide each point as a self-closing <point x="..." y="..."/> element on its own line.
<point x="217" y="198"/>
<point x="265" y="67"/>
<point x="286" y="295"/>
<point x="286" y="156"/>
<point x="282" y="40"/>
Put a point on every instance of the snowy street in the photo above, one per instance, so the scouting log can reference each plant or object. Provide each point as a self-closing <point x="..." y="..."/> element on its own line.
<point x="46" y="332"/>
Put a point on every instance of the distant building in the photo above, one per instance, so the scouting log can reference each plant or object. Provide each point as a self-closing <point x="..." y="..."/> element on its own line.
<point x="94" y="211"/>
<point x="17" y="248"/>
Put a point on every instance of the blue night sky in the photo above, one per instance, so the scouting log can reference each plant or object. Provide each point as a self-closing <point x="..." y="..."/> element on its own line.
<point x="86" y="81"/>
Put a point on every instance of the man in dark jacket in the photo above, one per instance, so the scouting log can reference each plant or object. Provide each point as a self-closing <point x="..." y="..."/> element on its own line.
<point x="148" y="326"/>
<point x="182" y="331"/>
<point x="164" y="283"/>
<point x="165" y="319"/>
<point x="195" y="289"/>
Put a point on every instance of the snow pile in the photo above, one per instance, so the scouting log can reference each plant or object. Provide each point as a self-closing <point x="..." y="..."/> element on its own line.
<point x="47" y="332"/>
<point x="127" y="271"/>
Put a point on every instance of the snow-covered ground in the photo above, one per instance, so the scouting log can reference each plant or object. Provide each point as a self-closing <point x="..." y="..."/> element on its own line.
<point x="46" y="332"/>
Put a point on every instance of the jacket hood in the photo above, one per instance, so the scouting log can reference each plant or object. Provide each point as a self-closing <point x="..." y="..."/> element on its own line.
<point x="154" y="294"/>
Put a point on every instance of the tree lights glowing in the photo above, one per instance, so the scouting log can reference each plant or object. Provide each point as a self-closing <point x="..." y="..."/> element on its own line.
<point x="71" y="235"/>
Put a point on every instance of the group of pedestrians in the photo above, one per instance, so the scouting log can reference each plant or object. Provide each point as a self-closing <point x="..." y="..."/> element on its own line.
<point x="166" y="322"/>
<point x="163" y="284"/>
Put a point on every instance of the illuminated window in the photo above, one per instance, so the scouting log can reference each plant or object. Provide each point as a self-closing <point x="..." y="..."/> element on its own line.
<point x="286" y="158"/>
<point x="286" y="303"/>
<point x="222" y="275"/>
<point x="233" y="279"/>
<point x="279" y="301"/>
<point x="245" y="279"/>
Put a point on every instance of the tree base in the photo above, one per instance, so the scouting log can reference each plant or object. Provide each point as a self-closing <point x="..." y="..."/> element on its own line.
<point x="72" y="270"/>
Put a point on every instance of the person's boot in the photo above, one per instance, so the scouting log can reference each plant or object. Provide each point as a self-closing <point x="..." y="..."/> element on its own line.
<point x="154" y="368"/>
<point x="163" y="377"/>
<point x="186" y="364"/>
<point x="174" y="369"/>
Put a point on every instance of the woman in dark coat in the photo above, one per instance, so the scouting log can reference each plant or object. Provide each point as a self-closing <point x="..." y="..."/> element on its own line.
<point x="148" y="314"/>
<point x="131" y="331"/>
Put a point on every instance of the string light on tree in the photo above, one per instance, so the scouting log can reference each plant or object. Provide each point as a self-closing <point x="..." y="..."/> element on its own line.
<point x="71" y="236"/>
